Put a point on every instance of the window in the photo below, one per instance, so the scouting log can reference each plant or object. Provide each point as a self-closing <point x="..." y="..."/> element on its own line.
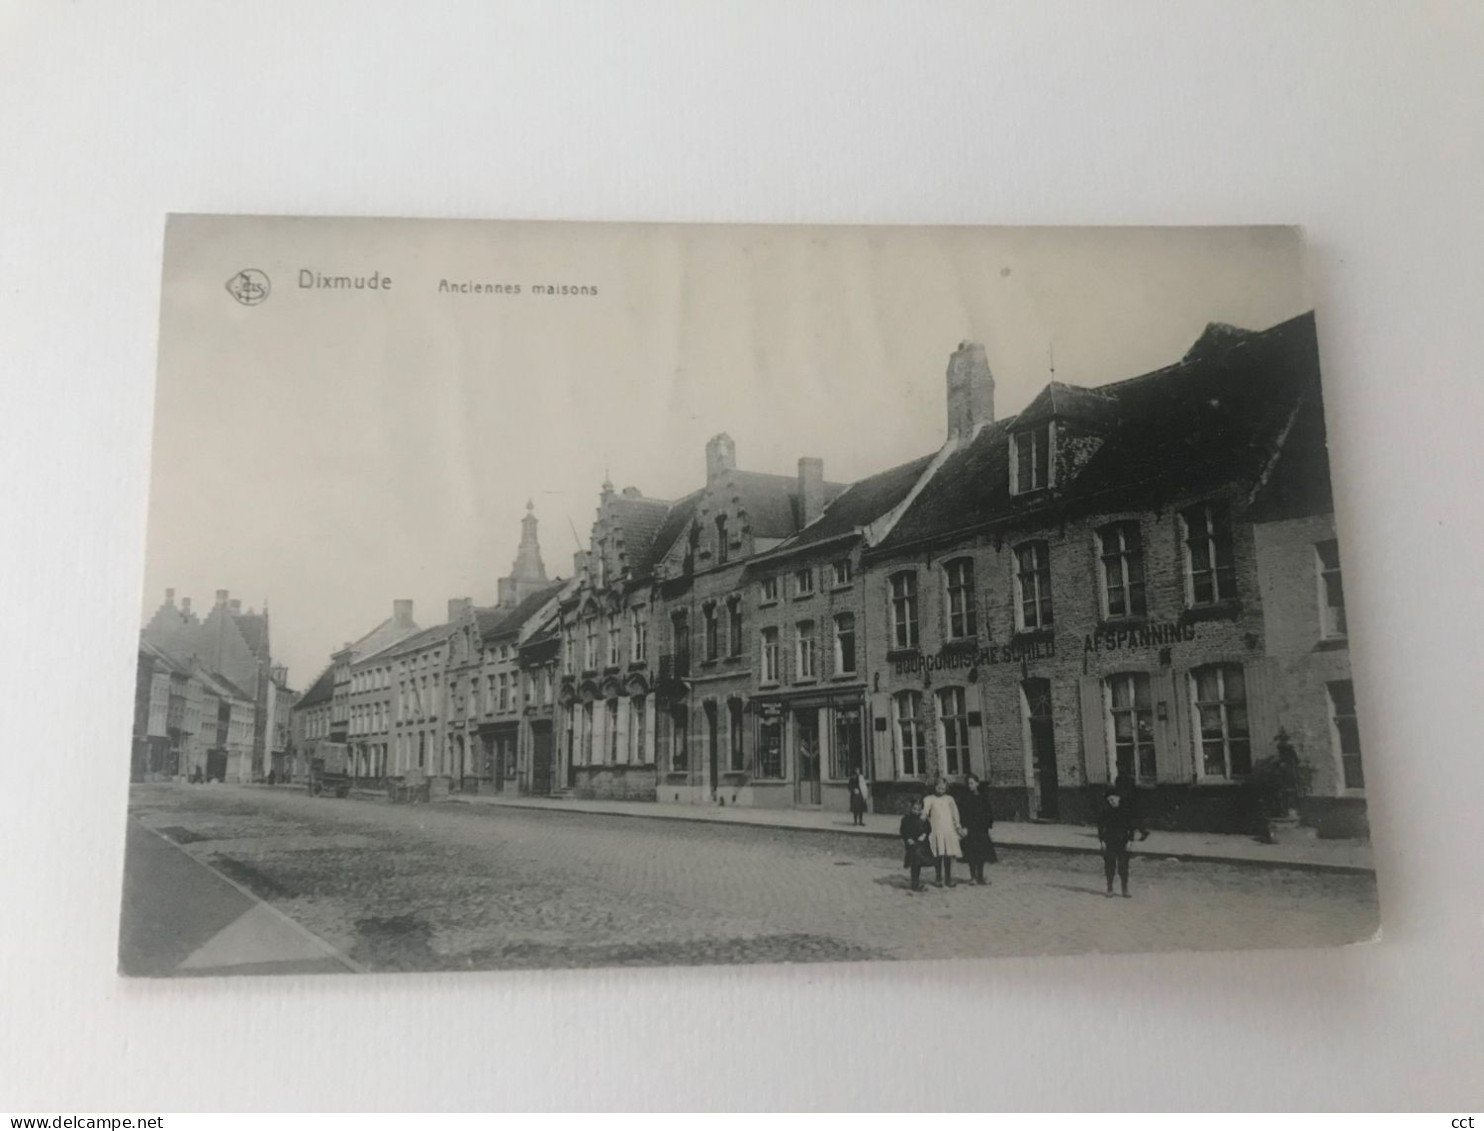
<point x="511" y="768"/>
<point x="1131" y="719"/>
<point x="1221" y="720"/>
<point x="904" y="609"/>
<point x="610" y="720"/>
<point x="1209" y="574"/>
<point x="769" y="590"/>
<point x="911" y="749"/>
<point x="1331" y="591"/>
<point x="587" y="734"/>
<point x="1346" y="732"/>
<point x="1121" y="551"/>
<point x="614" y="640"/>
<point x="1033" y="586"/>
<point x="569" y="650"/>
<point x="590" y="645"/>
<point x="636" y="730"/>
<point x="843" y="572"/>
<point x="504" y="700"/>
<point x="770" y="744"/>
<point x="734" y="626"/>
<point x="845" y="644"/>
<point x="804" y="666"/>
<point x="638" y="636"/>
<point x="680" y="637"/>
<point x="1030" y="459"/>
<point x="549" y="694"/>
<point x="475" y="705"/>
<point x="711" y="622"/>
<point x="679" y="739"/>
<point x="953" y="729"/>
<point x="770" y="655"/>
<point x="723" y="543"/>
<point x="845" y="751"/>
<point x="734" y="735"/>
<point x="963" y="611"/>
<point x="803" y="582"/>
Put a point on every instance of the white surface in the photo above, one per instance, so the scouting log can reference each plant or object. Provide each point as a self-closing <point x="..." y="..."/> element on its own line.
<point x="1360" y="121"/>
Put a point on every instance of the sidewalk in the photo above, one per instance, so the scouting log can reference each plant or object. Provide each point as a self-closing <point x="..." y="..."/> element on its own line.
<point x="1310" y="854"/>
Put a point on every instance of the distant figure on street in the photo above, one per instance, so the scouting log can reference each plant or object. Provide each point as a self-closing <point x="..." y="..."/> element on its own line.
<point x="914" y="833"/>
<point x="944" y="829"/>
<point x="978" y="819"/>
<point x="860" y="794"/>
<point x="1118" y="820"/>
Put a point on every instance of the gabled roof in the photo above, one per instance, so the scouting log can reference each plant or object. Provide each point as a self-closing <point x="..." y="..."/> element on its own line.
<point x="219" y="683"/>
<point x="859" y="504"/>
<point x="515" y="617"/>
<point x="637" y="521"/>
<point x="322" y="690"/>
<point x="164" y="659"/>
<point x="1216" y="418"/>
<point x="1061" y="401"/>
<point x="677" y="518"/>
<point x="389" y="632"/>
<point x="423" y="639"/>
<point x="254" y="629"/>
<point x="772" y="503"/>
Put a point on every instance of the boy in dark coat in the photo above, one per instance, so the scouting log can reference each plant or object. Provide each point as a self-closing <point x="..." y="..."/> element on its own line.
<point x="1117" y="823"/>
<point x="914" y="834"/>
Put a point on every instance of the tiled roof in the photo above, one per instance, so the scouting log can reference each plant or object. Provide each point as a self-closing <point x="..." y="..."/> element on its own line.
<point x="515" y="617"/>
<point x="1070" y="402"/>
<point x="423" y="639"/>
<point x="677" y="518"/>
<point x="860" y="504"/>
<point x="772" y="503"/>
<point x="638" y="521"/>
<point x="1191" y="427"/>
<point x="321" y="690"/>
<point x="169" y="662"/>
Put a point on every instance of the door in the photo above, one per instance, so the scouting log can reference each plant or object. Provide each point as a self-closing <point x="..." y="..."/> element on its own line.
<point x="541" y="759"/>
<point x="1041" y="736"/>
<point x="713" y="747"/>
<point x="806" y="756"/>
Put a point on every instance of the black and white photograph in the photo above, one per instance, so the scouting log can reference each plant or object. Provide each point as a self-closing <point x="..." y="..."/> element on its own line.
<point x="525" y="595"/>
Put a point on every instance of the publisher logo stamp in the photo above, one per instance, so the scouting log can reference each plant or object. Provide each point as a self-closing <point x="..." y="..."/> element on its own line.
<point x="249" y="287"/>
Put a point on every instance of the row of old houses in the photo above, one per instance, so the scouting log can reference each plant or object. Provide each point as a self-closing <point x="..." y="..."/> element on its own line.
<point x="210" y="703"/>
<point x="1140" y="579"/>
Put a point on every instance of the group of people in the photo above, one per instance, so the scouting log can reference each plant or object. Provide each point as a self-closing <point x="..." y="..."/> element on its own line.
<point x="940" y="829"/>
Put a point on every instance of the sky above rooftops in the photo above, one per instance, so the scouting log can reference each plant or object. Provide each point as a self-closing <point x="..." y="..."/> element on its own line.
<point x="329" y="451"/>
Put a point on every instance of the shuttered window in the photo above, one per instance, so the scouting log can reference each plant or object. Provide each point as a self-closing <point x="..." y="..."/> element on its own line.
<point x="1219" y="693"/>
<point x="1131" y="726"/>
<point x="911" y="744"/>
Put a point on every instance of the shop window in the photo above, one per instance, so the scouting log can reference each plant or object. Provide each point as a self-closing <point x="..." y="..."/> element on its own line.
<point x="1331" y="591"/>
<point x="770" y="746"/>
<point x="1210" y="576"/>
<point x="1346" y="732"/>
<point x="953" y="730"/>
<point x="962" y="608"/>
<point x="1220" y="696"/>
<point x="1121" y="555"/>
<point x="845" y="750"/>
<point x="904" y="609"/>
<point x="911" y="744"/>
<point x="1032" y="586"/>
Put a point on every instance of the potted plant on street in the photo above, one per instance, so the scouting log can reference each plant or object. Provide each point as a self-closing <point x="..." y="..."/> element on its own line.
<point x="1276" y="785"/>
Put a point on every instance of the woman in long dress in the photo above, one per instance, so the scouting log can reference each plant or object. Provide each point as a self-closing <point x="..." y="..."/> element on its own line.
<point x="978" y="819"/>
<point x="944" y="829"/>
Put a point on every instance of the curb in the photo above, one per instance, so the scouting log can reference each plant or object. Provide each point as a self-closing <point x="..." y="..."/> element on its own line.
<point x="1069" y="849"/>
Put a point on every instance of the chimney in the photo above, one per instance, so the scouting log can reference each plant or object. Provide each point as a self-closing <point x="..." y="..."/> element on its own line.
<point x="235" y="605"/>
<point x="811" y="489"/>
<point x="185" y="606"/>
<point x="402" y="612"/>
<point x="579" y="562"/>
<point x="221" y="596"/>
<point x="721" y="456"/>
<point x="170" y="596"/>
<point x="456" y="607"/>
<point x="970" y="391"/>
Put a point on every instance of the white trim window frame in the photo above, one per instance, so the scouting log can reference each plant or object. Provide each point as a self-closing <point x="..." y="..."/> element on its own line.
<point x="1332" y="623"/>
<point x="806" y="654"/>
<point x="1220" y="722"/>
<point x="953" y="730"/>
<point x="1120" y="551"/>
<point x="1037" y="445"/>
<point x="1209" y="554"/>
<point x="638" y="636"/>
<point x="1128" y="713"/>
<point x="1344" y="731"/>
<point x="902" y="595"/>
<point x="1033" y="606"/>
<point x="911" y="739"/>
<point x="845" y="657"/>
<point x="768" y="642"/>
<point x="960" y="606"/>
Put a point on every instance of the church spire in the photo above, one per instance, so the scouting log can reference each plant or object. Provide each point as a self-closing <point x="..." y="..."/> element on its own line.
<point x="529" y="571"/>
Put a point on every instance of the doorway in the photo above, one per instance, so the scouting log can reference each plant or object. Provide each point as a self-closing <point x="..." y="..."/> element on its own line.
<point x="713" y="749"/>
<point x="806" y="756"/>
<point x="541" y="759"/>
<point x="1041" y="738"/>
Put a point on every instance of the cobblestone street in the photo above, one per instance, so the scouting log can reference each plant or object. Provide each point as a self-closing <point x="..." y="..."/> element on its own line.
<point x="447" y="886"/>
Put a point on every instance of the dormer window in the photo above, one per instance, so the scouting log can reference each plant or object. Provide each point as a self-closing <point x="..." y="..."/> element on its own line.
<point x="1031" y="466"/>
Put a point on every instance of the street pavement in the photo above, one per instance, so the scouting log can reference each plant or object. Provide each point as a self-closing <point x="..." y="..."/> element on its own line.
<point x="448" y="886"/>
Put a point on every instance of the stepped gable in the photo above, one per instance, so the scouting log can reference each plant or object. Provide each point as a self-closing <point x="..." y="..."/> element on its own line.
<point x="1213" y="419"/>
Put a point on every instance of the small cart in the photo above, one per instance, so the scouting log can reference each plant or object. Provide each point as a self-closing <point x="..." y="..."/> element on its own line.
<point x="329" y="770"/>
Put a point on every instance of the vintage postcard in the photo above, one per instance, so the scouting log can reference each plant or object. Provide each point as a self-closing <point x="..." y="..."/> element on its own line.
<point x="552" y="595"/>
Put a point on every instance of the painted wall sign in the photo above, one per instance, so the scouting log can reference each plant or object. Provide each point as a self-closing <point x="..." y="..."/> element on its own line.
<point x="1149" y="636"/>
<point x="953" y="659"/>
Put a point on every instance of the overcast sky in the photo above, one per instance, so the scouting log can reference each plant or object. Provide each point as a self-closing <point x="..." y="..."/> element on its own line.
<point x="329" y="450"/>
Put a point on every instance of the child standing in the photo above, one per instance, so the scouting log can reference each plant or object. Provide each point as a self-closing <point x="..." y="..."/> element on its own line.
<point x="1117" y="823"/>
<point x="914" y="833"/>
